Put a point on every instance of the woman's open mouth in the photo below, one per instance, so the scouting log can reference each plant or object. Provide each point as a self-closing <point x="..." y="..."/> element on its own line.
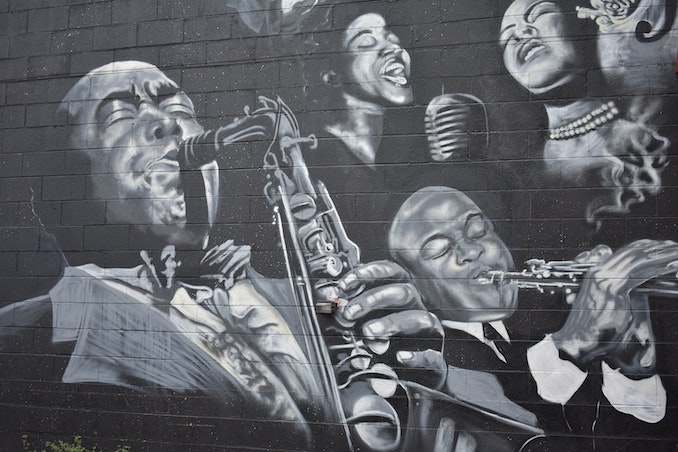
<point x="395" y="72"/>
<point x="528" y="50"/>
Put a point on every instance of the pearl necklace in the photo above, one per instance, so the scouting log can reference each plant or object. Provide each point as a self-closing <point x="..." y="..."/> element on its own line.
<point x="591" y="121"/>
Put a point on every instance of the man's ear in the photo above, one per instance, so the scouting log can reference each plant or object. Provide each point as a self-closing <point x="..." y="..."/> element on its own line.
<point x="331" y="78"/>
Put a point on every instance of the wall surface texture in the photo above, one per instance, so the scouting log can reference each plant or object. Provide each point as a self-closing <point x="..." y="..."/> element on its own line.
<point x="418" y="225"/>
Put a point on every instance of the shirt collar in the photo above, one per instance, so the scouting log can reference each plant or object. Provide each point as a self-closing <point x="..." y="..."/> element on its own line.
<point x="475" y="329"/>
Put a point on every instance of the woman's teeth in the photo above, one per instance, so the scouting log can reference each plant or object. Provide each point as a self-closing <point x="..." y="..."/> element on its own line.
<point x="530" y="53"/>
<point x="395" y="73"/>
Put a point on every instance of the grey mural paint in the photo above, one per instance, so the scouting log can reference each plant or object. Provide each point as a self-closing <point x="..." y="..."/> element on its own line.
<point x="450" y="248"/>
<point x="435" y="343"/>
<point x="456" y="124"/>
<point x="272" y="16"/>
<point x="230" y="333"/>
<point x="636" y="42"/>
<point x="330" y="280"/>
<point x="142" y="326"/>
<point x="591" y="140"/>
<point x="372" y="72"/>
<point x="128" y="118"/>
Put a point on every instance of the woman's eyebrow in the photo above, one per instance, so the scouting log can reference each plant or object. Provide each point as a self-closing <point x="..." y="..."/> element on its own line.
<point x="357" y="35"/>
<point x="529" y="10"/>
<point x="504" y="31"/>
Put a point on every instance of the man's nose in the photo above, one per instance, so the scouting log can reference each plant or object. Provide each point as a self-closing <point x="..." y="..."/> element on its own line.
<point x="162" y="124"/>
<point x="468" y="251"/>
<point x="166" y="126"/>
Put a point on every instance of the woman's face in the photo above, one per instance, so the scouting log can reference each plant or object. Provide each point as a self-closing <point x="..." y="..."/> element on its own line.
<point x="538" y="53"/>
<point x="377" y="66"/>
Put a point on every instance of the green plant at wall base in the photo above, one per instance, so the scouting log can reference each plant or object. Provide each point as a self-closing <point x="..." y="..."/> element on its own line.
<point x="63" y="446"/>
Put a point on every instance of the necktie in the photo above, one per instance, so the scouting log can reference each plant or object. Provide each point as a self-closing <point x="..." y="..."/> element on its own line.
<point x="497" y="343"/>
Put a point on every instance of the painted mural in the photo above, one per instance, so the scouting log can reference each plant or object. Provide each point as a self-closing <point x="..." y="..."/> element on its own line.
<point x="340" y="225"/>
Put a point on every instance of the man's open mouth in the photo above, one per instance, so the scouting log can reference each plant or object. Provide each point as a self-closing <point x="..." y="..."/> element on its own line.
<point x="167" y="161"/>
<point x="395" y="72"/>
<point x="529" y="50"/>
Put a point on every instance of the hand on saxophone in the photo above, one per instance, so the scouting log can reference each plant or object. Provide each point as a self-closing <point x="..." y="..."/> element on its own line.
<point x="226" y="263"/>
<point x="392" y="321"/>
<point x="606" y="320"/>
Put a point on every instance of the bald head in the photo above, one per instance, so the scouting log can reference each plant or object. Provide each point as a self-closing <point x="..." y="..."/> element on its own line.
<point x="445" y="241"/>
<point x="117" y="80"/>
<point x="129" y="119"/>
<point x="422" y="210"/>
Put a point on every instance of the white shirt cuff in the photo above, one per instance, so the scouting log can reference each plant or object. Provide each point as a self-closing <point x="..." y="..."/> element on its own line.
<point x="557" y="379"/>
<point x="644" y="399"/>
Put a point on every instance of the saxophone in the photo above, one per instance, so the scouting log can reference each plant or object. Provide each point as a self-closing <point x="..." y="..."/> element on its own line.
<point x="360" y="394"/>
<point x="317" y="254"/>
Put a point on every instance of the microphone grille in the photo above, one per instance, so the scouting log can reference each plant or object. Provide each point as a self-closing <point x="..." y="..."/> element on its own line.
<point x="451" y="121"/>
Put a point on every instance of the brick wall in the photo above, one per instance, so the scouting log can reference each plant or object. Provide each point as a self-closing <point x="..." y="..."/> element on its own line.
<point x="545" y="128"/>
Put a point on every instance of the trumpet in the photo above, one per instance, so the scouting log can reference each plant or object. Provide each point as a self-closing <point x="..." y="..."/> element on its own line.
<point x="568" y="276"/>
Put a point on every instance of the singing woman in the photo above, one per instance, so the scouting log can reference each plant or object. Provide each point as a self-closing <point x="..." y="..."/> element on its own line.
<point x="593" y="141"/>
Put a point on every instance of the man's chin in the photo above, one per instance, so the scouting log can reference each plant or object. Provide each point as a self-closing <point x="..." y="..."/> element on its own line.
<point x="487" y="314"/>
<point x="508" y="298"/>
<point x="500" y="302"/>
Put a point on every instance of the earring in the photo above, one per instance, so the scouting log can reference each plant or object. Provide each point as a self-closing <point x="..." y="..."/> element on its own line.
<point x="331" y="78"/>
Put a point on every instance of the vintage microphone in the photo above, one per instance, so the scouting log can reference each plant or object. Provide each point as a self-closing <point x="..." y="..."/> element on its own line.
<point x="456" y="125"/>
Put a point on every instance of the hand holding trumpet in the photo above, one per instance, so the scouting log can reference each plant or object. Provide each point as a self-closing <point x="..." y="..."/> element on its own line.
<point x="607" y="320"/>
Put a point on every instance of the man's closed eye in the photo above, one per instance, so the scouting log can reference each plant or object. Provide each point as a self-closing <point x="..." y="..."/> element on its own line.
<point x="436" y="248"/>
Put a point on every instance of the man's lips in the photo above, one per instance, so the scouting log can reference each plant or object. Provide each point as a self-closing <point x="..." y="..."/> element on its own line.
<point x="487" y="275"/>
<point x="168" y="159"/>
<point x="479" y="272"/>
<point x="395" y="71"/>
<point x="529" y="49"/>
